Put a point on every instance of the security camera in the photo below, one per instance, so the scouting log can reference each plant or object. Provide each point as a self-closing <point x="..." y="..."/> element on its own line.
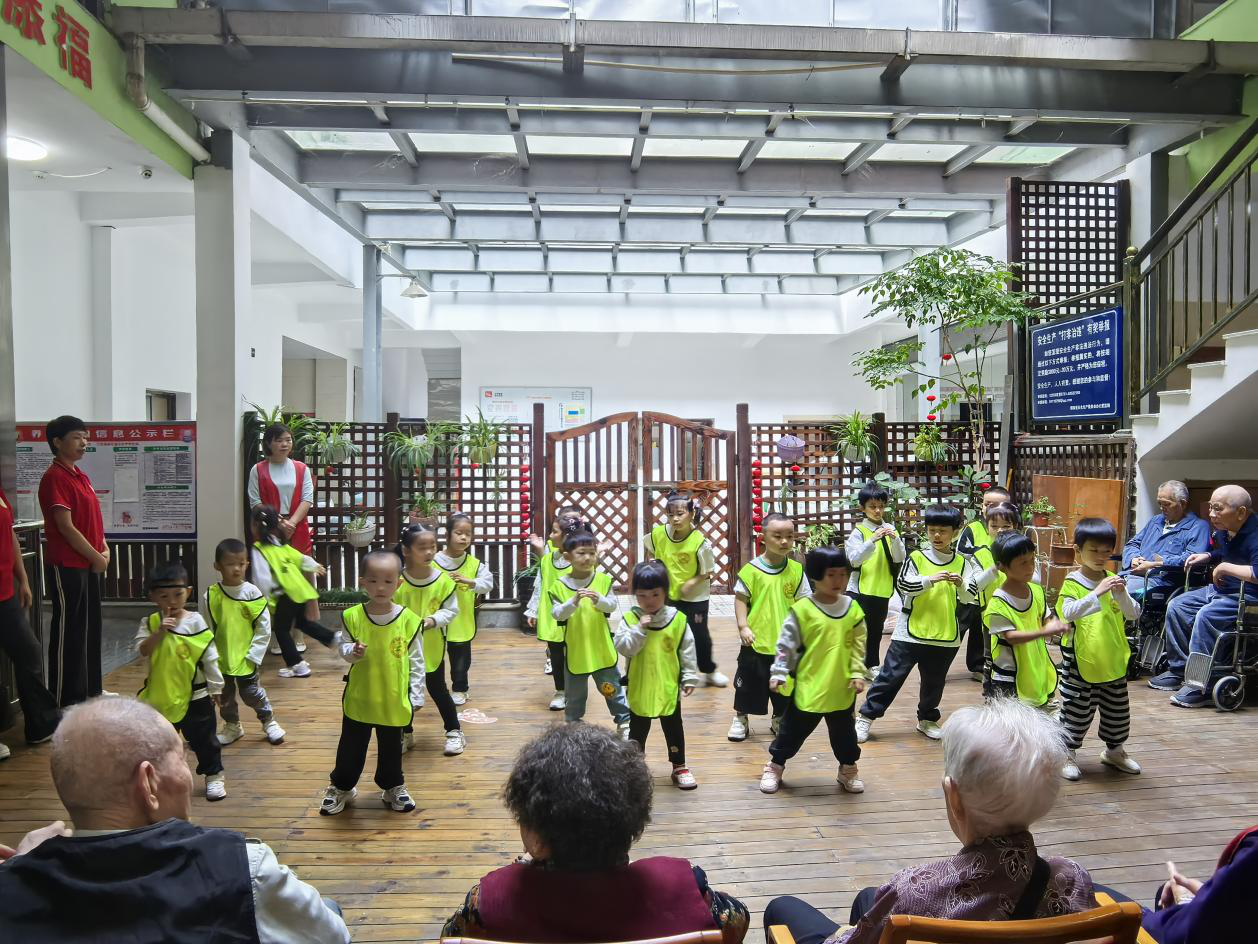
<point x="146" y="173"/>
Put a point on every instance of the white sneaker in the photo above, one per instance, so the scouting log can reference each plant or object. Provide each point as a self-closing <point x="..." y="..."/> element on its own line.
<point x="684" y="779"/>
<point x="738" y="728"/>
<point x="232" y="731"/>
<point x="274" y="733"/>
<point x="275" y="648"/>
<point x="871" y="673"/>
<point x="929" y="728"/>
<point x="4" y="752"/>
<point x="459" y="698"/>
<point x="559" y="702"/>
<point x="623" y="728"/>
<point x="549" y="670"/>
<point x="455" y="742"/>
<point x="300" y="670"/>
<point x="775" y="725"/>
<point x="1070" y="769"/>
<point x="771" y="778"/>
<point x="1117" y="758"/>
<point x="849" y="780"/>
<point x="334" y="800"/>
<point x="716" y="679"/>
<point x="215" y="787"/>
<point x="299" y="640"/>
<point x="397" y="799"/>
<point x="863" y="725"/>
<point x="408" y="741"/>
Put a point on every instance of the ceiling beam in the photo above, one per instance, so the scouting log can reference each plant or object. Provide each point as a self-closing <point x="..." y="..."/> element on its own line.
<point x="639" y="139"/>
<point x="967" y="157"/>
<point x="858" y="158"/>
<point x="406" y="147"/>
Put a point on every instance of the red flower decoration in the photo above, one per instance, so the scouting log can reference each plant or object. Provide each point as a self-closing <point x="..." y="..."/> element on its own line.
<point x="984" y="485"/>
<point x="947" y="357"/>
<point x="930" y="398"/>
<point x="475" y="465"/>
<point x="524" y="468"/>
<point x="756" y="528"/>
<point x="931" y="416"/>
<point x="796" y="468"/>
<point x="755" y="463"/>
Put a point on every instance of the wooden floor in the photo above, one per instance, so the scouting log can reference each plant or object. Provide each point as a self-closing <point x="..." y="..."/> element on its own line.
<point x="398" y="876"/>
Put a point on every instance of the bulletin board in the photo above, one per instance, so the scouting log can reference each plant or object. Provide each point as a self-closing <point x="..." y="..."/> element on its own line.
<point x="564" y="407"/>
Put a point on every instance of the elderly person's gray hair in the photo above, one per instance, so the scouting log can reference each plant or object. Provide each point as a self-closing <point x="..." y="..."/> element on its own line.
<point x="1005" y="759"/>
<point x="1178" y="490"/>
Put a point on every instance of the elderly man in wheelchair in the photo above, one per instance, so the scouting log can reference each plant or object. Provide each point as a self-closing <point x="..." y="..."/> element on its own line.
<point x="1210" y="642"/>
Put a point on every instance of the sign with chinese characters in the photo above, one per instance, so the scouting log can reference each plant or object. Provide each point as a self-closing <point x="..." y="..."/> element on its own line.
<point x="565" y="407"/>
<point x="144" y="474"/>
<point x="1077" y="368"/>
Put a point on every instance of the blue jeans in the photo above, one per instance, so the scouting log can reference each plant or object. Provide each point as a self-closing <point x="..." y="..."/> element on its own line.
<point x="1194" y="621"/>
<point x="607" y="681"/>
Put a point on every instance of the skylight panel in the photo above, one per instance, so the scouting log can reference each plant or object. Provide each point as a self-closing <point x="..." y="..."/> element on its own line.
<point x="806" y="150"/>
<point x="342" y="140"/>
<point x="578" y="145"/>
<point x="434" y="142"/>
<point x="917" y="153"/>
<point x="711" y="148"/>
<point x="1024" y="154"/>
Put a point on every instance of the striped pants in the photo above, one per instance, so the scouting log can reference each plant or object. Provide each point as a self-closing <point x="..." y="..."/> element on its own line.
<point x="1080" y="701"/>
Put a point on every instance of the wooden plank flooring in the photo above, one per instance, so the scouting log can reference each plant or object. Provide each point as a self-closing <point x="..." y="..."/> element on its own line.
<point x="399" y="876"/>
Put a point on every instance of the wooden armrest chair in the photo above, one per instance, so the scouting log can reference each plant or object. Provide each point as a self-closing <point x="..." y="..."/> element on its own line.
<point x="694" y="937"/>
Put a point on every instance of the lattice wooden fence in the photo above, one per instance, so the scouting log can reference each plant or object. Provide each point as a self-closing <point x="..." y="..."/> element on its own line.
<point x="1111" y="456"/>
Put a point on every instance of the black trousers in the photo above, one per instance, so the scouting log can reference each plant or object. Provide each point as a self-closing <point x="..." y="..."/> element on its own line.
<point x="798" y="724"/>
<point x="808" y="925"/>
<point x="74" y="636"/>
<point x="674" y="734"/>
<point x="970" y="618"/>
<point x="932" y="665"/>
<point x="558" y="653"/>
<point x="460" y="654"/>
<point x="198" y="729"/>
<point x="875" y="609"/>
<point x="697" y="620"/>
<point x="351" y="755"/>
<point x="435" y="682"/>
<point x="39" y="708"/>
<point x="751" y="685"/>
<point x="289" y="614"/>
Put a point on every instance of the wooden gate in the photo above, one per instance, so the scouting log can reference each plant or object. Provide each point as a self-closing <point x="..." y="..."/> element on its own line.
<point x="618" y="471"/>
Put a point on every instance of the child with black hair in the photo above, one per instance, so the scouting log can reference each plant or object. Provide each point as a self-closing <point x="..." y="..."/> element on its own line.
<point x="1095" y="602"/>
<point x="656" y="639"/>
<point x="279" y="571"/>
<point x="1017" y="620"/>
<point x="765" y="589"/>
<point x="931" y="584"/>
<point x="237" y="612"/>
<point x="999" y="518"/>
<point x="472" y="578"/>
<point x="551" y="565"/>
<point x="974" y="537"/>
<point x="581" y="601"/>
<point x="822" y="647"/>
<point x="183" y="676"/>
<point x="875" y="552"/>
<point x="686" y="552"/>
<point x="380" y="639"/>
<point x="432" y="595"/>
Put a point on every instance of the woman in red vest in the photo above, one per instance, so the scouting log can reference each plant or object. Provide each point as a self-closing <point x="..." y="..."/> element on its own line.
<point x="582" y="797"/>
<point x="284" y="483"/>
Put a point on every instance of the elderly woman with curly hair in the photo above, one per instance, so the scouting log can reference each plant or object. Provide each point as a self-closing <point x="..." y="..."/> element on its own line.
<point x="582" y="797"/>
<point x="1002" y="764"/>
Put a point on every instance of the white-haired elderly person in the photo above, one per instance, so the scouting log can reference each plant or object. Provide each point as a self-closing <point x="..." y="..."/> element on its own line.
<point x="1157" y="553"/>
<point x="133" y="868"/>
<point x="1002" y="772"/>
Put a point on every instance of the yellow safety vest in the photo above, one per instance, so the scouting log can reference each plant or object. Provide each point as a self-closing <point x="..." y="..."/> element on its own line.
<point x="587" y="634"/>
<point x="172" y="668"/>
<point x="979" y="535"/>
<point x="1036" y="676"/>
<point x="875" y="573"/>
<point x="549" y="572"/>
<point x="234" y="622"/>
<point x="463" y="629"/>
<point x="285" y="563"/>
<point x="830" y="658"/>
<point x="1099" y="641"/>
<point x="655" y="672"/>
<point x="681" y="558"/>
<point x="378" y="686"/>
<point x="425" y="600"/>
<point x="986" y="560"/>
<point x="771" y="594"/>
<point x="933" y="613"/>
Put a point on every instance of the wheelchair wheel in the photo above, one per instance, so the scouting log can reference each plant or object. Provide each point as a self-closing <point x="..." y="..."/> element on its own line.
<point x="1229" y="693"/>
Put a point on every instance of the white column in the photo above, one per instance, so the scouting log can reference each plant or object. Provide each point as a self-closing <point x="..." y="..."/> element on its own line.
<point x="373" y="366"/>
<point x="930" y="361"/>
<point x="223" y="310"/>
<point x="8" y="382"/>
<point x="102" y="249"/>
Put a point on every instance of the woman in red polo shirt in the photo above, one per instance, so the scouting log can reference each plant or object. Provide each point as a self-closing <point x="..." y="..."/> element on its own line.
<point x="284" y="483"/>
<point x="39" y="708"/>
<point x="76" y="555"/>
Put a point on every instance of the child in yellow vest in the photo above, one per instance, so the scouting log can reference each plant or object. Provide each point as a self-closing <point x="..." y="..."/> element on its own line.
<point x="380" y="639"/>
<point x="472" y="579"/>
<point x="1095" y="602"/>
<point x="432" y="595"/>
<point x="765" y="589"/>
<point x="279" y="571"/>
<point x="660" y="647"/>
<point x="581" y="601"/>
<point x="1000" y="518"/>
<point x="551" y="565"/>
<point x="1017" y="620"/>
<point x="183" y="676"/>
<point x="974" y="536"/>
<point x="681" y="548"/>
<point x="875" y="552"/>
<point x="822" y="645"/>
<point x="237" y="612"/>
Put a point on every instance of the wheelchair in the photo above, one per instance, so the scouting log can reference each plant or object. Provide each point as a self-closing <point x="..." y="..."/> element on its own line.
<point x="1228" y="693"/>
<point x="1147" y="635"/>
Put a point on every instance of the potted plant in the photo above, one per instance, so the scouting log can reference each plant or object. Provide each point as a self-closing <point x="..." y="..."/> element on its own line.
<point x="1039" y="512"/>
<point x="330" y="447"/>
<point x="405" y="451"/>
<point x="852" y="437"/>
<point x="423" y="509"/>
<point x="929" y="445"/>
<point x="360" y="530"/>
<point x="446" y="437"/>
<point x="819" y="535"/>
<point x="341" y="598"/>
<point x="482" y="437"/>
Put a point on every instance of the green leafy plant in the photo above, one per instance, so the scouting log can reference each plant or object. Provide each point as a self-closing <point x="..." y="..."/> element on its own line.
<point x="445" y="436"/>
<point x="901" y="499"/>
<point x="360" y="521"/>
<point x="1041" y="507"/>
<point x="423" y="506"/>
<point x="482" y="437"/>
<point x="819" y="535"/>
<point x="957" y="294"/>
<point x="853" y="438"/>
<point x="968" y="486"/>
<point x="528" y="573"/>
<point x="331" y="446"/>
<point x="407" y="452"/>
<point x="929" y="445"/>
<point x="342" y="596"/>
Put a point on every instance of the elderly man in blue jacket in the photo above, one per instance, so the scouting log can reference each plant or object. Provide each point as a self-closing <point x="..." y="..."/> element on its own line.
<point x="1159" y="551"/>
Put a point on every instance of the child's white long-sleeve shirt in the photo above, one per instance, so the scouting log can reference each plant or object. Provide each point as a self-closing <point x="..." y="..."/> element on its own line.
<point x="790" y="645"/>
<point x="344" y="644"/>
<point x="482" y="583"/>
<point x="605" y="604"/>
<point x="444" y="615"/>
<point x="261" y="629"/>
<point x="912" y="584"/>
<point x="1076" y="609"/>
<point x="630" y="639"/>
<point x="207" y="672"/>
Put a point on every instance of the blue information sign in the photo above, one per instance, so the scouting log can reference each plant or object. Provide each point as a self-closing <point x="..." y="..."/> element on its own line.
<point x="1076" y="368"/>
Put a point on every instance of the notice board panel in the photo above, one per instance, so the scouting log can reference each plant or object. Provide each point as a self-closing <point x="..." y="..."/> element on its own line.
<point x="565" y="407"/>
<point x="1076" y="368"/>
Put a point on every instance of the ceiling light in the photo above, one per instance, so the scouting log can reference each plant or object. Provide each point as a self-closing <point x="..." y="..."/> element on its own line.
<point x="24" y="149"/>
<point x="414" y="289"/>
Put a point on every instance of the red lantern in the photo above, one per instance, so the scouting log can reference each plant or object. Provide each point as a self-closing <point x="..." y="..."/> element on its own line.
<point x="524" y="468"/>
<point x="475" y="465"/>
<point x="796" y="468"/>
<point x="930" y="398"/>
<point x="931" y="417"/>
<point x="947" y="357"/>
<point x="984" y="486"/>
<point x="755" y="463"/>
<point x="757" y="528"/>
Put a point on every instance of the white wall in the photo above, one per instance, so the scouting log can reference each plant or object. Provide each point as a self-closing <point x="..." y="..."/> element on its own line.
<point x="405" y="382"/>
